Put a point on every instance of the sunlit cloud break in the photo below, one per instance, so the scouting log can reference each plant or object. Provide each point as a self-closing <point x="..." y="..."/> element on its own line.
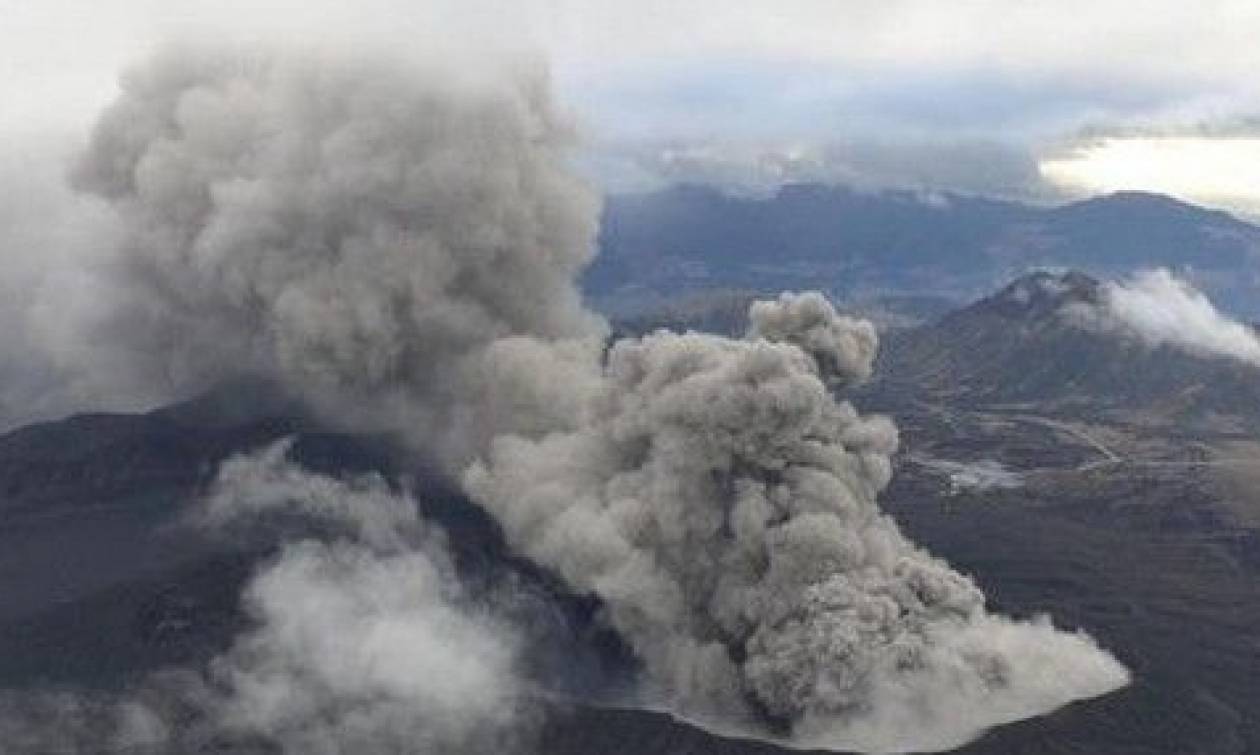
<point x="1213" y="170"/>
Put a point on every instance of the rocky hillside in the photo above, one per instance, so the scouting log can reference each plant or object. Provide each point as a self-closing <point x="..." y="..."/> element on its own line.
<point x="1023" y="346"/>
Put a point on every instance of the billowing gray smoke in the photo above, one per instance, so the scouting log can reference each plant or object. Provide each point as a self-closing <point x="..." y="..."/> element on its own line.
<point x="723" y="504"/>
<point x="357" y="229"/>
<point x="400" y="247"/>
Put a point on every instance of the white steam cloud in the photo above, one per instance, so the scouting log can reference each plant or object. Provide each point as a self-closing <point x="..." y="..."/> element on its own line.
<point x="399" y="246"/>
<point x="361" y="640"/>
<point x="364" y="643"/>
<point x="1160" y="309"/>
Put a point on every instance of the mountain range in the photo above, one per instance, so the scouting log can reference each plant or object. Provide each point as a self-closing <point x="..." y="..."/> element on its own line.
<point x="853" y="243"/>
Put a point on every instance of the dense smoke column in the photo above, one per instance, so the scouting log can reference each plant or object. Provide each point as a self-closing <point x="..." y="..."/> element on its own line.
<point x="361" y="230"/>
<point x="723" y="504"/>
<point x="380" y="239"/>
<point x="400" y="247"/>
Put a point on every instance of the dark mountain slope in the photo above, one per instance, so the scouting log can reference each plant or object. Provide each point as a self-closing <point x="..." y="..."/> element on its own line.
<point x="102" y="580"/>
<point x="1020" y="346"/>
<point x="1133" y="229"/>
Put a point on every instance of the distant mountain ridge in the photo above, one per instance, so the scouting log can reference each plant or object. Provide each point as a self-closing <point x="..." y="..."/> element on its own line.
<point x="1022" y="346"/>
<point x="847" y="242"/>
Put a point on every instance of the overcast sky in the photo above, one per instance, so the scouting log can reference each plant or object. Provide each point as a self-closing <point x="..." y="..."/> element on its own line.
<point x="1010" y="97"/>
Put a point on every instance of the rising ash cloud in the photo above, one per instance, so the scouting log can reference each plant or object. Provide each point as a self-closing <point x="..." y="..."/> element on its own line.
<point x="397" y="245"/>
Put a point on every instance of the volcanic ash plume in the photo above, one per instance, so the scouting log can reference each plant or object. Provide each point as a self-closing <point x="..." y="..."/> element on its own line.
<point x="722" y="503"/>
<point x="359" y="230"/>
<point x="401" y="248"/>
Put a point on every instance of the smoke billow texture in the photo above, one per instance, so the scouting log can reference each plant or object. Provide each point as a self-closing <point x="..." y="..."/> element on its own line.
<point x="400" y="247"/>
<point x="364" y="642"/>
<point x="361" y="640"/>
<point x="723" y="504"/>
<point x="359" y="230"/>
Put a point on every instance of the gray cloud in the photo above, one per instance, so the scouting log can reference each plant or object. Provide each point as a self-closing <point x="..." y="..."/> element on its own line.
<point x="50" y="242"/>
<point x="902" y="72"/>
<point x="361" y="231"/>
<point x="760" y="167"/>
